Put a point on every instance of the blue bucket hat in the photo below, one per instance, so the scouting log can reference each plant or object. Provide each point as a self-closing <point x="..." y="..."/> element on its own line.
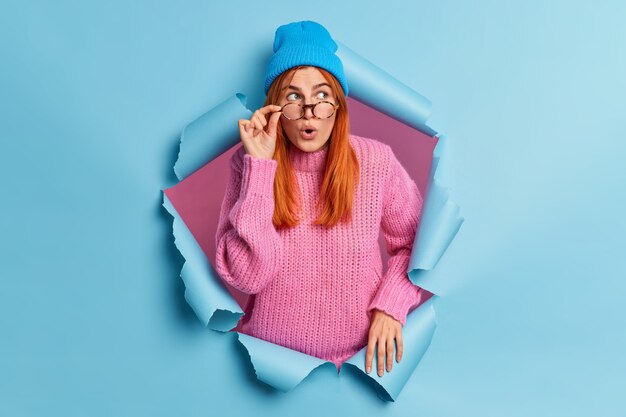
<point x="304" y="43"/>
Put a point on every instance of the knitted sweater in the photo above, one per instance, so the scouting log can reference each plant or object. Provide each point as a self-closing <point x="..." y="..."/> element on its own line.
<point x="313" y="288"/>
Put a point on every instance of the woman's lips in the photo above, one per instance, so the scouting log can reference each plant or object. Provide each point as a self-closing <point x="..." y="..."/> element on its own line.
<point x="308" y="133"/>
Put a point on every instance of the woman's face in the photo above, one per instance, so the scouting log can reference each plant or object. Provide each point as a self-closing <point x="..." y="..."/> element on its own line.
<point x="308" y="86"/>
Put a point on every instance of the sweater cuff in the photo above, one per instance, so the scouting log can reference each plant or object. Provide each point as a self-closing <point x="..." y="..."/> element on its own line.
<point x="396" y="298"/>
<point x="258" y="176"/>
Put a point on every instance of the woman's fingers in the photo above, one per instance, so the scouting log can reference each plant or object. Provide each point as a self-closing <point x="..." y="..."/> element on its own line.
<point x="250" y="129"/>
<point x="256" y="139"/>
<point x="269" y="108"/>
<point x="244" y="128"/>
<point x="385" y="335"/>
<point x="273" y="124"/>
<point x="369" y="354"/>
<point x="253" y="123"/>
<point x="382" y="346"/>
<point x="259" y="120"/>
<point x="390" y="349"/>
<point x="259" y="116"/>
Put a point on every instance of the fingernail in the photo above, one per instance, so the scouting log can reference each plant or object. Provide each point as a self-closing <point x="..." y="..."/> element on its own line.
<point x="368" y="369"/>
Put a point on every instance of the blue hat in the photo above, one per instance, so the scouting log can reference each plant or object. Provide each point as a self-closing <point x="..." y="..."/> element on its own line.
<point x="304" y="43"/>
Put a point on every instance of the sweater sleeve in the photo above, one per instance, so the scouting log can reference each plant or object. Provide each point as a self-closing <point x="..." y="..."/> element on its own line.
<point x="249" y="249"/>
<point x="402" y="209"/>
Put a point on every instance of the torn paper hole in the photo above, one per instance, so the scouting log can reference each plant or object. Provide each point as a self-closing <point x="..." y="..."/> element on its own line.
<point x="203" y="165"/>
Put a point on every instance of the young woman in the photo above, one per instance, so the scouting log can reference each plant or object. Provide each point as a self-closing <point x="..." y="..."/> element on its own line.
<point x="303" y="210"/>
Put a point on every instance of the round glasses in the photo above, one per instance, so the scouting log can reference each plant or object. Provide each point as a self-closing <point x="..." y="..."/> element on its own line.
<point x="321" y="110"/>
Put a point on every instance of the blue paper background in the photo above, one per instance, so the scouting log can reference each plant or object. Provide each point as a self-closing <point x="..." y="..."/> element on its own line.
<point x="93" y="97"/>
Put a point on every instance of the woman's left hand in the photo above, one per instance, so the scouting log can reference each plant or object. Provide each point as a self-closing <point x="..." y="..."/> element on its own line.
<point x="384" y="329"/>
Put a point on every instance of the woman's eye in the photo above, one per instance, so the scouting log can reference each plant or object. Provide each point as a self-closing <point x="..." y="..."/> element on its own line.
<point x="322" y="95"/>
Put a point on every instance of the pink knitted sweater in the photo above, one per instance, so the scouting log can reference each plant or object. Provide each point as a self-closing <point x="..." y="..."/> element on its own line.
<point x="313" y="289"/>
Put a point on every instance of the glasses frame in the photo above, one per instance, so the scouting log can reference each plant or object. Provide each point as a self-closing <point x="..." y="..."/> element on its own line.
<point x="312" y="106"/>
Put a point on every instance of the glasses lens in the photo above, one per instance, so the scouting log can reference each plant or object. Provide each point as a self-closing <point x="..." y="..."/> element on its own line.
<point x="292" y="111"/>
<point x="324" y="110"/>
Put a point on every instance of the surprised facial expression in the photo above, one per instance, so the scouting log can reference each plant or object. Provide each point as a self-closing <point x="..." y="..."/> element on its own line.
<point x="308" y="86"/>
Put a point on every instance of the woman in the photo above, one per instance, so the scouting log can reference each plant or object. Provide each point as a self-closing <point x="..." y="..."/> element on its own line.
<point x="304" y="206"/>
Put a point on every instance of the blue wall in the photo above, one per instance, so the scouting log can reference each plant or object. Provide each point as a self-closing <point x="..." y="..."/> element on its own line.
<point x="93" y="98"/>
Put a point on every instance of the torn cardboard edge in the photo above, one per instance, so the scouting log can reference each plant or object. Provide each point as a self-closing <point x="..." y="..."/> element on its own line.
<point x="214" y="306"/>
<point x="213" y="133"/>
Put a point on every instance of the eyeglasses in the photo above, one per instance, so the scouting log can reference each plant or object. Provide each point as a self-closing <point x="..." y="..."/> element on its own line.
<point x="321" y="110"/>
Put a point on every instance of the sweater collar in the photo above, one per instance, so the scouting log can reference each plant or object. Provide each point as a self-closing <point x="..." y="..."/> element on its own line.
<point x="308" y="161"/>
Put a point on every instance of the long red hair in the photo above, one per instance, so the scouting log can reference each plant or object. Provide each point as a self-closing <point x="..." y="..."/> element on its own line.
<point x="341" y="173"/>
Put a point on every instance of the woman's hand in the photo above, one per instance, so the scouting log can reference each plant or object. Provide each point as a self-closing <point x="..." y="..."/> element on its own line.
<point x="384" y="329"/>
<point x="256" y="140"/>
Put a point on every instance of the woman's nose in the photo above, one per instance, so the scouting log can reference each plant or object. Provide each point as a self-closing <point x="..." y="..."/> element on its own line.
<point x="308" y="113"/>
